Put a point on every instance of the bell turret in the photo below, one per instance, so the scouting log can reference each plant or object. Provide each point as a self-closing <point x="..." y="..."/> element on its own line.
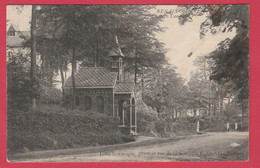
<point x="116" y="56"/>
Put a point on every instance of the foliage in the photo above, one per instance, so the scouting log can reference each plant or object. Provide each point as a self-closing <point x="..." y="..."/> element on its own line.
<point x="160" y="127"/>
<point x="90" y="30"/>
<point x="60" y="129"/>
<point x="232" y="65"/>
<point x="213" y="123"/>
<point x="175" y="127"/>
<point x="49" y="94"/>
<point x="166" y="125"/>
<point x="164" y="90"/>
<point x="231" y="58"/>
<point x="67" y="34"/>
<point x="184" y="126"/>
<point x="85" y="34"/>
<point x="145" y="116"/>
<point x="202" y="91"/>
<point x="19" y="85"/>
<point x="219" y="18"/>
<point x="216" y="123"/>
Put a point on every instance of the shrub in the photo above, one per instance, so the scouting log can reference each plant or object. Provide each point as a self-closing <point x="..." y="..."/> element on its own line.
<point x="150" y="124"/>
<point x="184" y="126"/>
<point x="18" y="81"/>
<point x="214" y="123"/>
<point x="59" y="129"/>
<point x="160" y="126"/>
<point x="146" y="117"/>
<point x="49" y="94"/>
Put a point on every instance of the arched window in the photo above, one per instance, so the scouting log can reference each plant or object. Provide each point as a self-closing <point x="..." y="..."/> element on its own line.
<point x="100" y="104"/>
<point x="11" y="33"/>
<point x="120" y="111"/>
<point x="120" y="62"/>
<point x="113" y="64"/>
<point x="88" y="103"/>
<point x="10" y="53"/>
<point x="68" y="101"/>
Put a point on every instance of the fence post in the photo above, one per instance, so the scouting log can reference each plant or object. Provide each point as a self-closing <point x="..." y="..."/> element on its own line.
<point x="123" y="117"/>
<point x="227" y="126"/>
<point x="198" y="126"/>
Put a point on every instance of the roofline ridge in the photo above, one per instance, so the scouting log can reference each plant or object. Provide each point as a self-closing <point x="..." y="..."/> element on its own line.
<point x="125" y="82"/>
<point x="94" y="67"/>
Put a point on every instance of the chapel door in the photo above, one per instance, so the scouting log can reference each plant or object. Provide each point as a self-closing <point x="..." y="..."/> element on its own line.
<point x="120" y="111"/>
<point x="88" y="103"/>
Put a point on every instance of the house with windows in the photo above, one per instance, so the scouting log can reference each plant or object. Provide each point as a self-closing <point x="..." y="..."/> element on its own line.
<point x="14" y="41"/>
<point x="103" y="90"/>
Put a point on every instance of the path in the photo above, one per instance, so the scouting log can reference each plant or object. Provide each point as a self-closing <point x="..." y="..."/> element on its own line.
<point x="203" y="147"/>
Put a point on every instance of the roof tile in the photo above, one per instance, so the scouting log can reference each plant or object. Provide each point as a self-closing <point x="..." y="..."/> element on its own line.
<point x="92" y="76"/>
<point x="18" y="39"/>
<point x="124" y="87"/>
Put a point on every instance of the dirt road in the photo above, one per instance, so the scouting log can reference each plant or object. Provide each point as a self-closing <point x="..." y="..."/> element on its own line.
<point x="205" y="147"/>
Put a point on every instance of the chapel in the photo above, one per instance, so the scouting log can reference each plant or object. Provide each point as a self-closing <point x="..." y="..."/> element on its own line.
<point x="103" y="90"/>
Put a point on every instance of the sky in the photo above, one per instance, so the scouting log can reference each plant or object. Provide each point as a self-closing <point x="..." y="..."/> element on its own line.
<point x="184" y="39"/>
<point x="180" y="40"/>
<point x="20" y="19"/>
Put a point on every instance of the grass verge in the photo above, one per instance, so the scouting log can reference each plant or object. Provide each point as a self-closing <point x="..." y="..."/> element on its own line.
<point x="58" y="128"/>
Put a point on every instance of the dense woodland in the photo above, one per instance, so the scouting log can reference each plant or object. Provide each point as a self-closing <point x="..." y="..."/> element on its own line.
<point x="71" y="36"/>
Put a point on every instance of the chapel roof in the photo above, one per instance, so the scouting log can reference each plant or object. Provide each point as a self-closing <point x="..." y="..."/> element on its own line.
<point x="124" y="87"/>
<point x="18" y="39"/>
<point x="99" y="77"/>
<point x="14" y="41"/>
<point x="93" y="77"/>
<point x="116" y="51"/>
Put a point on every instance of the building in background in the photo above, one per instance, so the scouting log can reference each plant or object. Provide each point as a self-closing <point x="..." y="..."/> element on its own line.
<point x="15" y="39"/>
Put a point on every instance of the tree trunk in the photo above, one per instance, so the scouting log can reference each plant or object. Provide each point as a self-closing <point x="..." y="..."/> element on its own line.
<point x="214" y="107"/>
<point x="194" y="113"/>
<point x="42" y="66"/>
<point x="135" y="68"/>
<point x="243" y="113"/>
<point x="221" y="106"/>
<point x="33" y="55"/>
<point x="73" y="70"/>
<point x="62" y="82"/>
<point x="50" y="73"/>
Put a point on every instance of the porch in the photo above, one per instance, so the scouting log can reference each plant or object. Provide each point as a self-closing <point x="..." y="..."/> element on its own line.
<point x="127" y="115"/>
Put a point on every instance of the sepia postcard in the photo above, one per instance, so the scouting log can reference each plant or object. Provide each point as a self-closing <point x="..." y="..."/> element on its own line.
<point x="127" y="83"/>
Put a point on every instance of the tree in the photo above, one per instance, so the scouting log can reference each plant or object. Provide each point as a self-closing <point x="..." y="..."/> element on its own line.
<point x="18" y="81"/>
<point x="165" y="91"/>
<point x="231" y="58"/>
<point x="86" y="34"/>
<point x="54" y="58"/>
<point x="212" y="92"/>
<point x="33" y="55"/>
<point x="135" y="27"/>
<point x="175" y="93"/>
<point x="69" y="32"/>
